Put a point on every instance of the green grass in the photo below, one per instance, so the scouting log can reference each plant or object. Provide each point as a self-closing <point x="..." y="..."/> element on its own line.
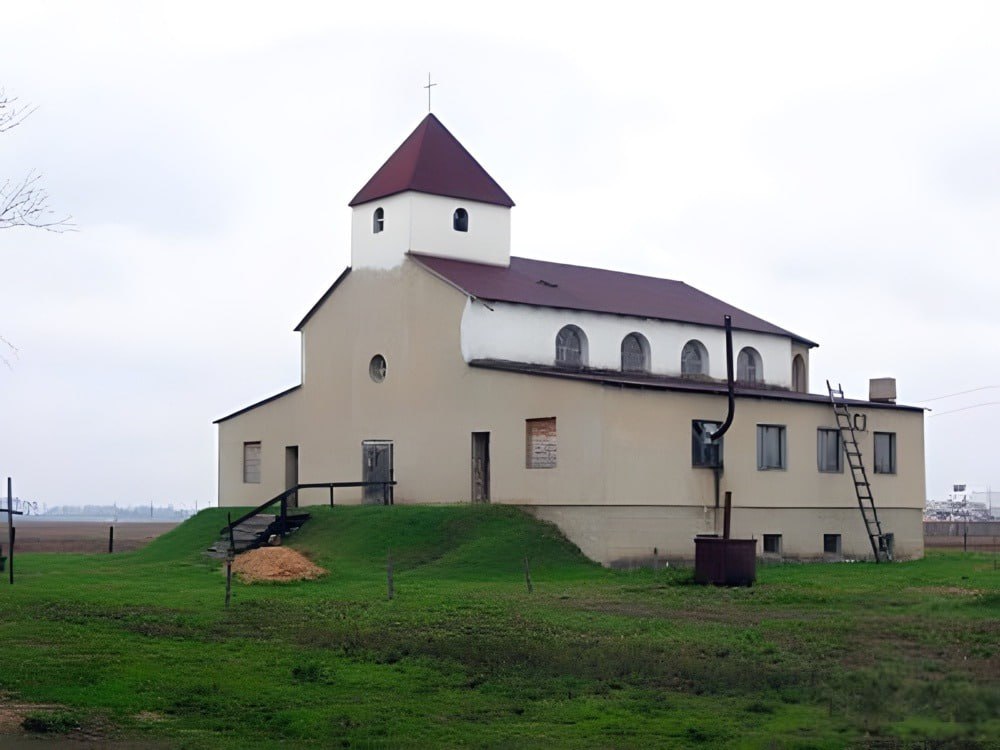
<point x="814" y="656"/>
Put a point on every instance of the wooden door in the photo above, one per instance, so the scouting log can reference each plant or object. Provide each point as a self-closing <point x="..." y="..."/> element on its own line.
<point x="377" y="467"/>
<point x="480" y="467"/>
<point x="292" y="473"/>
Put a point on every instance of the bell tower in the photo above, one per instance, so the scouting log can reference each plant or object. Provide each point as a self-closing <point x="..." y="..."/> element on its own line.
<point x="431" y="197"/>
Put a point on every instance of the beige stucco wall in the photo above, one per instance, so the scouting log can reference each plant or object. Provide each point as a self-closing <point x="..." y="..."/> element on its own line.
<point x="624" y="455"/>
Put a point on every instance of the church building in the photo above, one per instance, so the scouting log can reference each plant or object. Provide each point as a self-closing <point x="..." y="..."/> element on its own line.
<point x="585" y="396"/>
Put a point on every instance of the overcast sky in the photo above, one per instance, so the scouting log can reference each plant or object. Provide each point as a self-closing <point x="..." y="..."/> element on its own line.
<point x="833" y="169"/>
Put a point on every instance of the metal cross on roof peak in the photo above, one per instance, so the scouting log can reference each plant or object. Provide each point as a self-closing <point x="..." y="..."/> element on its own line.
<point x="428" y="87"/>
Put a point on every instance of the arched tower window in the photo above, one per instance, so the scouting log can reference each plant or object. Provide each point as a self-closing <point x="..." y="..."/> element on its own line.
<point x="799" y="383"/>
<point x="460" y="221"/>
<point x="635" y="353"/>
<point x="749" y="368"/>
<point x="378" y="220"/>
<point x="694" y="358"/>
<point x="571" y="347"/>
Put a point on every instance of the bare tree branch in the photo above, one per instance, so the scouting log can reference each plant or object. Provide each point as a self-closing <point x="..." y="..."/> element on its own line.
<point x="8" y="352"/>
<point x="12" y="114"/>
<point x="25" y="203"/>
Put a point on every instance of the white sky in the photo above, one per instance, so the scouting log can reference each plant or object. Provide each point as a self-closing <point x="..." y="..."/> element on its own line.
<point x="834" y="169"/>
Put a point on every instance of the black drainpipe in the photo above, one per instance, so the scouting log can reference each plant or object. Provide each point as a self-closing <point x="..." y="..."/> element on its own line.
<point x="717" y="435"/>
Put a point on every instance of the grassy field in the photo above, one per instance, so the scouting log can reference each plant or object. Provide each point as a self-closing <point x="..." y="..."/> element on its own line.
<point x="814" y="656"/>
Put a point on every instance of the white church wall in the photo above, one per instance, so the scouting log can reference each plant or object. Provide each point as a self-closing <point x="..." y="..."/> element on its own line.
<point x="424" y="224"/>
<point x="524" y="333"/>
<point x="433" y="232"/>
<point x="387" y="248"/>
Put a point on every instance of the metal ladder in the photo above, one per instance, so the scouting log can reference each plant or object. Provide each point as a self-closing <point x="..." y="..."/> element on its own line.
<point x="881" y="547"/>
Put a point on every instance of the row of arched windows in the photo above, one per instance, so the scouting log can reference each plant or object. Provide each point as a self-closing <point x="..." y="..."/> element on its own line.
<point x="459" y="220"/>
<point x="571" y="351"/>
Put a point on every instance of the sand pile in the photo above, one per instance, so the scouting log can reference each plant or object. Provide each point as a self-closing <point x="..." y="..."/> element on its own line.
<point x="275" y="564"/>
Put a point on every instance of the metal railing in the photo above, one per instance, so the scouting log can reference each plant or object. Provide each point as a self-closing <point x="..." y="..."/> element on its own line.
<point x="282" y="498"/>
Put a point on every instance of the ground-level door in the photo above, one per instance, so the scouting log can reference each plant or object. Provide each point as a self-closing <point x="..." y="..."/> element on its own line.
<point x="376" y="466"/>
<point x="292" y="473"/>
<point x="480" y="467"/>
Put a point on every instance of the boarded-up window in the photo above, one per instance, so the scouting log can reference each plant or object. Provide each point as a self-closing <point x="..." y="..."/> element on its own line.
<point x="540" y="443"/>
<point x="251" y="463"/>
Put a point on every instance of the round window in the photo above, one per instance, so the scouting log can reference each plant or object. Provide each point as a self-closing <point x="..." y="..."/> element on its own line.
<point x="376" y="368"/>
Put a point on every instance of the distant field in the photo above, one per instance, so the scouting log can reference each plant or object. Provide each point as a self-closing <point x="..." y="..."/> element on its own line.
<point x="973" y="543"/>
<point x="852" y="655"/>
<point x="81" y="536"/>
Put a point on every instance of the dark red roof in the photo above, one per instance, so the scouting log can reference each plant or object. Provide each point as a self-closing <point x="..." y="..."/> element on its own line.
<point x="432" y="161"/>
<point x="537" y="282"/>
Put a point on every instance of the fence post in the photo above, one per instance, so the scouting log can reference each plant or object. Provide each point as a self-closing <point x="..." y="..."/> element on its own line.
<point x="10" y="531"/>
<point x="388" y="575"/>
<point x="331" y="495"/>
<point x="527" y="576"/>
<point x="111" y="539"/>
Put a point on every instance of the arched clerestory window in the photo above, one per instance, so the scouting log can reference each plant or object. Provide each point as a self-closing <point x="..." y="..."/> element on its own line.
<point x="460" y="221"/>
<point x="378" y="220"/>
<point x="749" y="368"/>
<point x="635" y="353"/>
<point x="799" y="383"/>
<point x="571" y="347"/>
<point x="694" y="358"/>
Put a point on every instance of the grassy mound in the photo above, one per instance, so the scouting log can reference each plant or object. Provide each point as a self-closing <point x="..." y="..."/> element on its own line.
<point x="472" y="542"/>
<point x="814" y="655"/>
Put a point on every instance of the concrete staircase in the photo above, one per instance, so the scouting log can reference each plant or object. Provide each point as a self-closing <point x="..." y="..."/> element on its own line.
<point x="255" y="532"/>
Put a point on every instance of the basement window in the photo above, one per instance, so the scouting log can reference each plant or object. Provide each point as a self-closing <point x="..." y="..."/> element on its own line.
<point x="704" y="452"/>
<point x="540" y="443"/>
<point x="251" y="463"/>
<point x="460" y="221"/>
<point x="772" y="544"/>
<point x="831" y="544"/>
<point x="885" y="452"/>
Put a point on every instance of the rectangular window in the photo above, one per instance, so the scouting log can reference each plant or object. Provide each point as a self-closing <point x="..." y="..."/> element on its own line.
<point x="831" y="544"/>
<point x="251" y="463"/>
<point x="885" y="452"/>
<point x="540" y="443"/>
<point x="771" y="450"/>
<point x="703" y="451"/>
<point x="772" y="544"/>
<point x="829" y="456"/>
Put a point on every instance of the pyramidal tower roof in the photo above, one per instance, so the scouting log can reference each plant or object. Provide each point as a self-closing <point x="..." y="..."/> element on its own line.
<point x="431" y="160"/>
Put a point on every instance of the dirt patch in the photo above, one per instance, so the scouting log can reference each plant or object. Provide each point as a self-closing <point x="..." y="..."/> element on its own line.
<point x="275" y="564"/>
<point x="947" y="590"/>
<point x="13" y="713"/>
<point x="85" y="536"/>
